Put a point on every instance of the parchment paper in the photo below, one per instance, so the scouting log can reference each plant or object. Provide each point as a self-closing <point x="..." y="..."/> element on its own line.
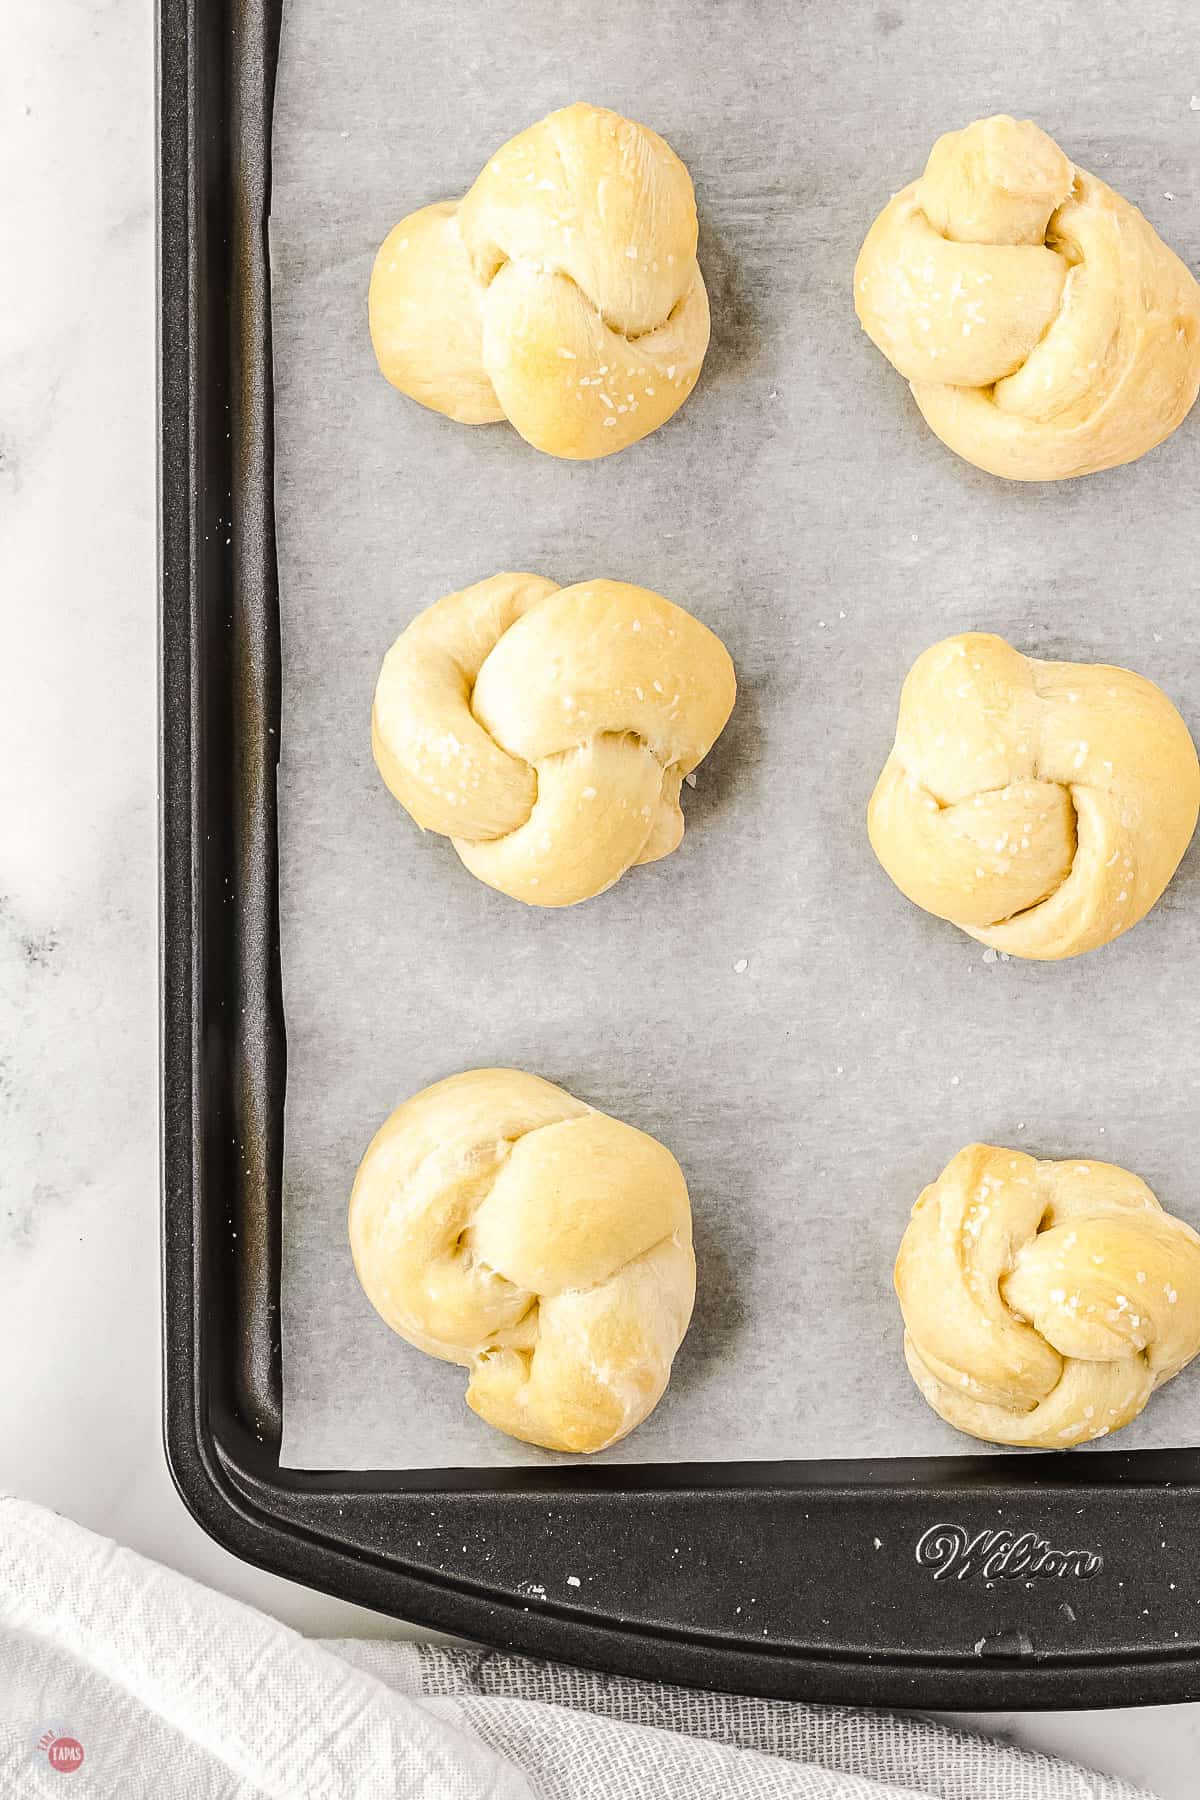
<point x="811" y="1046"/>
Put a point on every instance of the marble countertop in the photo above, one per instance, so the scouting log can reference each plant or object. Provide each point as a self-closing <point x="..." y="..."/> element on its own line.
<point x="79" y="1288"/>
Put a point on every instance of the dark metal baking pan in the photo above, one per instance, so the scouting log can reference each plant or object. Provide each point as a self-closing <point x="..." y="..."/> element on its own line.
<point x="983" y="1582"/>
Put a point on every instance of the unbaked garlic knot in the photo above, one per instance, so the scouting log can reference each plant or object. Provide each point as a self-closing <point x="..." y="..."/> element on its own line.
<point x="562" y="293"/>
<point x="499" y="1223"/>
<point x="1042" y="807"/>
<point x="1045" y="328"/>
<point x="547" y="730"/>
<point x="1044" y="1302"/>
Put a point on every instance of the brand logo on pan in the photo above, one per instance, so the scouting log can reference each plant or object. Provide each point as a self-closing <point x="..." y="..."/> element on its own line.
<point x="1000" y="1556"/>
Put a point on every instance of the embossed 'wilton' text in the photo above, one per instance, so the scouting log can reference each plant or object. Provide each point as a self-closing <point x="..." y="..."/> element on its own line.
<point x="1000" y="1556"/>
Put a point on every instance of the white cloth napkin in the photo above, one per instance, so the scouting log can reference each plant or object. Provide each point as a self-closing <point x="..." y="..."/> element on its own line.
<point x="140" y="1683"/>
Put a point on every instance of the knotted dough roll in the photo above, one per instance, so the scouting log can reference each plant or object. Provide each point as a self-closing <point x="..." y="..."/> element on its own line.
<point x="499" y="1223"/>
<point x="562" y="294"/>
<point x="547" y="730"/>
<point x="1044" y="1302"/>
<point x="1044" y="327"/>
<point x="1041" y="806"/>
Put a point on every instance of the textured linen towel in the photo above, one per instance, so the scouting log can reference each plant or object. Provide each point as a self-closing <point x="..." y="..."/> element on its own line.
<point x="138" y="1682"/>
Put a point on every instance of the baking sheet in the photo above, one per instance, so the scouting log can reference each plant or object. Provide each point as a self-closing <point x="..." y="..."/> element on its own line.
<point x="811" y="1047"/>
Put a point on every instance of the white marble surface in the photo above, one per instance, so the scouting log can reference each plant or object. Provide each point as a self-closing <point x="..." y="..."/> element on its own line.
<point x="79" y="1304"/>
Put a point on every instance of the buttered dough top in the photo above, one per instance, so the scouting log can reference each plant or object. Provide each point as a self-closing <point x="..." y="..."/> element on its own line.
<point x="546" y="730"/>
<point x="562" y="293"/>
<point x="1041" y="806"/>
<point x="1044" y="1301"/>
<point x="499" y="1223"/>
<point x="1044" y="327"/>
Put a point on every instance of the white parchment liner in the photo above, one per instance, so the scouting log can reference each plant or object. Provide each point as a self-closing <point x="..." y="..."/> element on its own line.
<point x="811" y="1047"/>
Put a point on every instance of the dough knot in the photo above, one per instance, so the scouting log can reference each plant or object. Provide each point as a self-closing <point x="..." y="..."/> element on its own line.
<point x="562" y="293"/>
<point x="1045" y="328"/>
<point x="499" y="1223"/>
<point x="1041" y="806"/>
<point x="547" y="730"/>
<point x="1044" y="1302"/>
